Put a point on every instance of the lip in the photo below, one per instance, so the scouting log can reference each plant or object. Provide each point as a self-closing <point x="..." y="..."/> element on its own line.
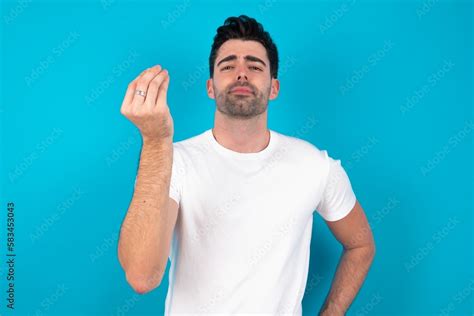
<point x="241" y="90"/>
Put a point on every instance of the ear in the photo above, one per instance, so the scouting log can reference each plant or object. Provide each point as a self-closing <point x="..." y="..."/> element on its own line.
<point x="210" y="88"/>
<point x="275" y="88"/>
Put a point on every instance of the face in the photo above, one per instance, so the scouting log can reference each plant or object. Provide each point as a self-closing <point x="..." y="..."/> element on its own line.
<point x="242" y="84"/>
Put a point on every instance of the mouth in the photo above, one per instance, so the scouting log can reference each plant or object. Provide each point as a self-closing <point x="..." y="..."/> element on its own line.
<point x="241" y="91"/>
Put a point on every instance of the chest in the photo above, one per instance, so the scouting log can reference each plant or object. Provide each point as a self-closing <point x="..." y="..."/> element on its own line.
<point x="248" y="198"/>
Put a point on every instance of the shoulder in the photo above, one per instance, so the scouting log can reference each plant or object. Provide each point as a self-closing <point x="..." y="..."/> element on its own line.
<point x="301" y="148"/>
<point x="196" y="143"/>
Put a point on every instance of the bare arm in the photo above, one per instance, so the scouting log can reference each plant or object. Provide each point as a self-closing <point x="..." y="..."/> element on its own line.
<point x="354" y="233"/>
<point x="146" y="232"/>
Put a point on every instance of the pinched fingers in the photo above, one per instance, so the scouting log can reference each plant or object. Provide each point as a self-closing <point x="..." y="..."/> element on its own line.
<point x="155" y="89"/>
<point x="142" y="82"/>
<point x="149" y="113"/>
<point x="131" y="98"/>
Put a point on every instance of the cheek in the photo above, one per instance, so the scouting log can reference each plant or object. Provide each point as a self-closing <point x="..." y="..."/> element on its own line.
<point x="264" y="86"/>
<point x="220" y="84"/>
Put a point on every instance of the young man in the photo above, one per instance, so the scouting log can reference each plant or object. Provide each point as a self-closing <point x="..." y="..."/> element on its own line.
<point x="233" y="206"/>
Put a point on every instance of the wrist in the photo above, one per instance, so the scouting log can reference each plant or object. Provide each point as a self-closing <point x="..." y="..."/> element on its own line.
<point x="331" y="309"/>
<point x="156" y="141"/>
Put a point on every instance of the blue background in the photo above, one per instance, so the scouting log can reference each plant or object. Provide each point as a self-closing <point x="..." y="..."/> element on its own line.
<point x="389" y="83"/>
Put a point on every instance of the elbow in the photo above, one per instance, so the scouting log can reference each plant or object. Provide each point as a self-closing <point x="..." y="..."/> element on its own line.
<point x="142" y="277"/>
<point x="372" y="247"/>
<point x="141" y="280"/>
<point x="369" y="249"/>
<point x="371" y="252"/>
<point x="143" y="284"/>
<point x="366" y="253"/>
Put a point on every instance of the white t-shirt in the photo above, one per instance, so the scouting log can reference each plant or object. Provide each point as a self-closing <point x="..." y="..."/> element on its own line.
<point x="241" y="243"/>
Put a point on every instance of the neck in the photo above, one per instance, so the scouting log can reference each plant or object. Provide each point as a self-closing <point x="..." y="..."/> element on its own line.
<point x="243" y="136"/>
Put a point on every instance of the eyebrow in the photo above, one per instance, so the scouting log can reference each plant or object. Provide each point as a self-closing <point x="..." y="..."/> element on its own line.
<point x="248" y="58"/>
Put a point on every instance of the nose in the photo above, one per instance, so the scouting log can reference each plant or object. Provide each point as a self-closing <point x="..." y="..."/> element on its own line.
<point x="242" y="77"/>
<point x="241" y="74"/>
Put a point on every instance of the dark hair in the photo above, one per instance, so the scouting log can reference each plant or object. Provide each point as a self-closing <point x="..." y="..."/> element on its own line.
<point x="247" y="29"/>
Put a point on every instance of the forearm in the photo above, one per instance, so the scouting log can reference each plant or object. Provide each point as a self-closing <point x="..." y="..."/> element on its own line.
<point x="350" y="275"/>
<point x="144" y="236"/>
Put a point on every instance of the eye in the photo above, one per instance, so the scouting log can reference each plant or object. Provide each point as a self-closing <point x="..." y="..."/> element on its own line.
<point x="226" y="67"/>
<point x="255" y="67"/>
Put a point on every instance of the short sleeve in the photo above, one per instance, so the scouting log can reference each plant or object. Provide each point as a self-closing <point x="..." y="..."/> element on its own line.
<point x="177" y="175"/>
<point x="338" y="198"/>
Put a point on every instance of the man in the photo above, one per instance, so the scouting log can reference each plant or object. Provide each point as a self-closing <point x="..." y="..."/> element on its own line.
<point x="233" y="206"/>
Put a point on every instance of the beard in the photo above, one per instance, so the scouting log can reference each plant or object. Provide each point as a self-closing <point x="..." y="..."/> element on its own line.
<point x="242" y="106"/>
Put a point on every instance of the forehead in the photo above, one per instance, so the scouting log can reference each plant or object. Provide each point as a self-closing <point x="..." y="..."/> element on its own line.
<point x="241" y="48"/>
